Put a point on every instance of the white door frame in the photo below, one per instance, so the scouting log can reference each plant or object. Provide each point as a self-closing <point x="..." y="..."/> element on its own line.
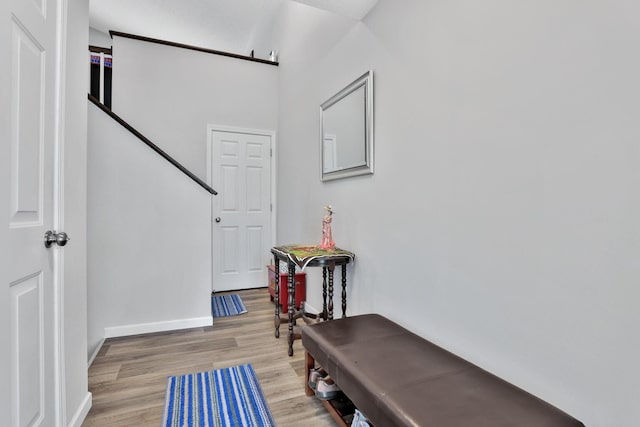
<point x="5" y="178"/>
<point x="233" y="129"/>
<point x="58" y="218"/>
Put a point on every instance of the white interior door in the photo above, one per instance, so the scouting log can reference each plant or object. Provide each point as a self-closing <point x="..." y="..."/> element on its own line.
<point x="329" y="153"/>
<point x="241" y="172"/>
<point x="34" y="92"/>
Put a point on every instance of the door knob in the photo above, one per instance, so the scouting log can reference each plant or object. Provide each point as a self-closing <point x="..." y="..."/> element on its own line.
<point x="51" y="237"/>
<point x="218" y="219"/>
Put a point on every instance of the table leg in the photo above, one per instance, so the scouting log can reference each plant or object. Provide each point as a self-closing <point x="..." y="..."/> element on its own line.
<point x="292" y="302"/>
<point x="276" y="320"/>
<point x="331" y="268"/>
<point x="344" y="290"/>
<point x="324" y="293"/>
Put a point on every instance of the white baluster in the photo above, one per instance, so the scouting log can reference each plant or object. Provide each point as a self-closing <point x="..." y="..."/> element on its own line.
<point x="102" y="77"/>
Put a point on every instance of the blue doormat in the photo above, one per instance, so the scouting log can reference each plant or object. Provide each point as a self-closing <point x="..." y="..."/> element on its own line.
<point x="227" y="305"/>
<point x="226" y="397"/>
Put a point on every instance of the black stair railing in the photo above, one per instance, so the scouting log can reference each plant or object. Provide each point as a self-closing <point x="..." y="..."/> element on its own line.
<point x="150" y="144"/>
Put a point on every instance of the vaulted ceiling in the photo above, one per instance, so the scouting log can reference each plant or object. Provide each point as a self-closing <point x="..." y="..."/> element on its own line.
<point x="228" y="25"/>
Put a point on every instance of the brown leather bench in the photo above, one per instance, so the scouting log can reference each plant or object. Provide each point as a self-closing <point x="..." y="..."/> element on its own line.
<point x="397" y="378"/>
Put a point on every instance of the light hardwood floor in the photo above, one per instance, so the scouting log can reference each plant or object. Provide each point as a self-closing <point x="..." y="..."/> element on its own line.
<point x="128" y="377"/>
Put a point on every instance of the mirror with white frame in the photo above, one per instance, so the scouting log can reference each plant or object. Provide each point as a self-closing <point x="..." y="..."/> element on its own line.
<point x="346" y="131"/>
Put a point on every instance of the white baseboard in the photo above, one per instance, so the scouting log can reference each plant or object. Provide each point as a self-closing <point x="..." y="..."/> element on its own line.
<point x="95" y="353"/>
<point x="149" y="328"/>
<point x="82" y="412"/>
<point x="310" y="309"/>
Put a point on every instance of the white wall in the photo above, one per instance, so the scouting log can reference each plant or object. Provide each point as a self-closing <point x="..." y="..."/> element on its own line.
<point x="149" y="225"/>
<point x="98" y="38"/>
<point x="74" y="204"/>
<point x="171" y="95"/>
<point x="502" y="220"/>
<point x="149" y="233"/>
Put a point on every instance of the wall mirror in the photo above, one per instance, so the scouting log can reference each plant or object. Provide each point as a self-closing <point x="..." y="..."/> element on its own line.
<point x="346" y="131"/>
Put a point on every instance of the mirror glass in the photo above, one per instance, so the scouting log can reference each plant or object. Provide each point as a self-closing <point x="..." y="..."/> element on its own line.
<point x="346" y="124"/>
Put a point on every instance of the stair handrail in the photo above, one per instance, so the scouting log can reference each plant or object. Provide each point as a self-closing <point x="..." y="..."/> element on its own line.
<point x="150" y="144"/>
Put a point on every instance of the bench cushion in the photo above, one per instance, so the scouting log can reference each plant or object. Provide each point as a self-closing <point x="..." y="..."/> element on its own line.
<point x="397" y="378"/>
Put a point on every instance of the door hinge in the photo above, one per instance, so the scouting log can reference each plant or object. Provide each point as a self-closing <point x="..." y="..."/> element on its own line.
<point x="270" y="152"/>
<point x="271" y="207"/>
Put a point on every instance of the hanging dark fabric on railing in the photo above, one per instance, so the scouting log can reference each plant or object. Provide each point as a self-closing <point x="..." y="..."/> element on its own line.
<point x="101" y="63"/>
<point x="95" y="60"/>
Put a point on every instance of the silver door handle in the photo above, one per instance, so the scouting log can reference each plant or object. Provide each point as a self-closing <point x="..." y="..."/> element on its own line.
<point x="51" y="237"/>
<point x="218" y="219"/>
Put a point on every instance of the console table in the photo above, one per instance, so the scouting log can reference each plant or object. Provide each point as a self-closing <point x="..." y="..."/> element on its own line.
<point x="309" y="256"/>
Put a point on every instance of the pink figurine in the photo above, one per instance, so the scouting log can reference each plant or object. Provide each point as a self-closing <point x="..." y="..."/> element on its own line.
<point x="327" y="240"/>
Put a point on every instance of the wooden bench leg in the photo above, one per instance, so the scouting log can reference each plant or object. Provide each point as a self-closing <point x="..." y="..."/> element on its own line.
<point x="309" y="365"/>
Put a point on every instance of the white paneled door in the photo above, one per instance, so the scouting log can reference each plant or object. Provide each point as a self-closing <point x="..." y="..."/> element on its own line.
<point x="240" y="170"/>
<point x="32" y="267"/>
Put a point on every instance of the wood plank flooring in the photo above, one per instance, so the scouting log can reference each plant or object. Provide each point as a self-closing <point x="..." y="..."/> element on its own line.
<point x="128" y="377"/>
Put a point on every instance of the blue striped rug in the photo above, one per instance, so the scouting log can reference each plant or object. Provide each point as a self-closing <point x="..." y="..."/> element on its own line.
<point x="227" y="305"/>
<point x="222" y="398"/>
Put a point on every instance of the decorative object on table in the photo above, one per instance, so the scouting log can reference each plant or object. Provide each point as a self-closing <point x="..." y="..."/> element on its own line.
<point x="302" y="255"/>
<point x="273" y="56"/>
<point x="327" y="242"/>
<point x="221" y="398"/>
<point x="227" y="305"/>
<point x="282" y="282"/>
